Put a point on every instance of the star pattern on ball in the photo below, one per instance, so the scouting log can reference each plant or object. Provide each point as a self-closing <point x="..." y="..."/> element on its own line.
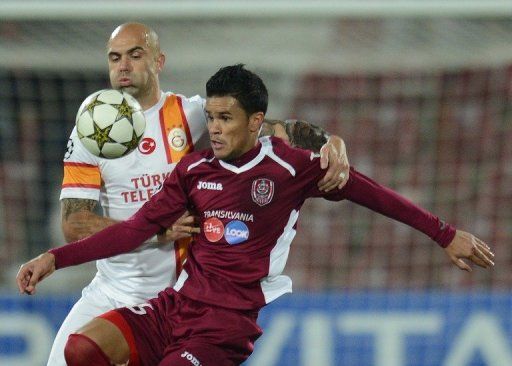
<point x="101" y="136"/>
<point x="123" y="110"/>
<point x="133" y="142"/>
<point x="95" y="102"/>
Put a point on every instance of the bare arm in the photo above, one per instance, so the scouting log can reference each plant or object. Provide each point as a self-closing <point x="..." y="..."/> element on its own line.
<point x="309" y="136"/>
<point x="298" y="133"/>
<point x="78" y="219"/>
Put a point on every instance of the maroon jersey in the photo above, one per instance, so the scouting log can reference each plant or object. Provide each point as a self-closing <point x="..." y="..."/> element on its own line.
<point x="248" y="210"/>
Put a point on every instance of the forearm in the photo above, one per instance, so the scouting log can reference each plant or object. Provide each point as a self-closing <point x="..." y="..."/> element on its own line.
<point x="78" y="219"/>
<point x="298" y="133"/>
<point x="80" y="225"/>
<point x="364" y="191"/>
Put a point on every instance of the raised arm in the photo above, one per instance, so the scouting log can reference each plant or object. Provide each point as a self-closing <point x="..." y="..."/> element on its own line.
<point x="306" y="135"/>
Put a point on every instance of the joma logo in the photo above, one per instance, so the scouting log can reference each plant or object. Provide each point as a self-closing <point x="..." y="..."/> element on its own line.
<point x="190" y="357"/>
<point x="209" y="185"/>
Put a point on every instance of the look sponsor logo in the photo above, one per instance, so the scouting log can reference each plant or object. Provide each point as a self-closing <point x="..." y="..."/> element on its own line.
<point x="236" y="232"/>
<point x="213" y="229"/>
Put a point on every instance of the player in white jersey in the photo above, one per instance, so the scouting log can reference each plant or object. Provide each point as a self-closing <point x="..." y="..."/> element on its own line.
<point x="174" y="127"/>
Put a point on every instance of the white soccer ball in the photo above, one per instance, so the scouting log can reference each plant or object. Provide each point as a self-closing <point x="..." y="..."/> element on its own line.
<point x="110" y="123"/>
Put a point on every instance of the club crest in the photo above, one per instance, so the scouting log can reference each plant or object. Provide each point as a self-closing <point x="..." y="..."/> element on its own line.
<point x="262" y="191"/>
<point x="177" y="139"/>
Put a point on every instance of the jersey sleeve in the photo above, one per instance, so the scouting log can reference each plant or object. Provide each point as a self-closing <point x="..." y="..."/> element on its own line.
<point x="168" y="204"/>
<point x="368" y="193"/>
<point x="160" y="212"/>
<point x="364" y="191"/>
<point x="82" y="178"/>
<point x="311" y="173"/>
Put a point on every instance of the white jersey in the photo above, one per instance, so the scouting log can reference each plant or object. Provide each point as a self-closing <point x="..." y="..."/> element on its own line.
<point x="173" y="127"/>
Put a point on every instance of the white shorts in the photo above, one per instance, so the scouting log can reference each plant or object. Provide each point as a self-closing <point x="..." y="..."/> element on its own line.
<point x="93" y="302"/>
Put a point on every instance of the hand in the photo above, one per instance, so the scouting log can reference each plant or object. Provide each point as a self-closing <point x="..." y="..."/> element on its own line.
<point x="184" y="227"/>
<point x="334" y="155"/>
<point x="467" y="246"/>
<point x="33" y="272"/>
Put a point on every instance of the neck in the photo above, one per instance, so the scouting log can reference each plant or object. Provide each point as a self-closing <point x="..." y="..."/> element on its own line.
<point x="150" y="100"/>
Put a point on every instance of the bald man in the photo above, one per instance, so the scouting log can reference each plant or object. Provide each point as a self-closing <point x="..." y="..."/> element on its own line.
<point x="175" y="126"/>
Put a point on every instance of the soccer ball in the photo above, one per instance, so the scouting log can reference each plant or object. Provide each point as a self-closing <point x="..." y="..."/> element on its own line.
<point x="110" y="123"/>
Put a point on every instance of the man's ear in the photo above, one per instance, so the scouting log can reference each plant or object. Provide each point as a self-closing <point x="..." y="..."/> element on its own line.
<point x="160" y="62"/>
<point x="255" y="121"/>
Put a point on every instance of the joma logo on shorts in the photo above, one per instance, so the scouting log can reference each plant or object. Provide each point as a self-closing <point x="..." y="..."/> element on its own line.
<point x="209" y="185"/>
<point x="193" y="360"/>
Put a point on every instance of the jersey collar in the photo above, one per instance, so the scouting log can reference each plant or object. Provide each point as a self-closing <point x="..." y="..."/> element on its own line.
<point x="250" y="159"/>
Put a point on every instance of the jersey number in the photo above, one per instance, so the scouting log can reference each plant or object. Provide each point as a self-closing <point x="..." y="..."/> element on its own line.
<point x="139" y="309"/>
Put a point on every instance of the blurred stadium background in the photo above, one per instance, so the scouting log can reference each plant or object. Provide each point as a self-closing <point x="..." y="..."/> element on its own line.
<point x="420" y="91"/>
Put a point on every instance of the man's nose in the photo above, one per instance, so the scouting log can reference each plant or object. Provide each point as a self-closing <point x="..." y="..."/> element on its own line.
<point x="214" y="126"/>
<point x="125" y="64"/>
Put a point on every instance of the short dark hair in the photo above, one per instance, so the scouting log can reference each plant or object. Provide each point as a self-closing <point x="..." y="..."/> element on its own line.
<point x="243" y="85"/>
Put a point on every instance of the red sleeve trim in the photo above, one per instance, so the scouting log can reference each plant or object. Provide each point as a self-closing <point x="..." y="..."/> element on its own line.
<point x="70" y="185"/>
<point x="80" y="164"/>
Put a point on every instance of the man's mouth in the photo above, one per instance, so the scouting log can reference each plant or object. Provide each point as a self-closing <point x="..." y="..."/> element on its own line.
<point x="216" y="144"/>
<point x="125" y="82"/>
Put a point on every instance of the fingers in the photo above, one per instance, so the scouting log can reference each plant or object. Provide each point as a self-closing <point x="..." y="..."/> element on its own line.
<point x="35" y="278"/>
<point x="466" y="246"/>
<point x="338" y="168"/>
<point x="345" y="176"/>
<point x="485" y="249"/>
<point x="22" y="279"/>
<point x="186" y="219"/>
<point x="334" y="175"/>
<point x="178" y="231"/>
<point x="481" y="256"/>
<point x="324" y="156"/>
<point x="27" y="279"/>
<point x="186" y="229"/>
<point x="461" y="264"/>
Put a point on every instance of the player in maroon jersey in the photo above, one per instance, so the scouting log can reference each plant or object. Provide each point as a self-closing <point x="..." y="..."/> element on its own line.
<point x="248" y="193"/>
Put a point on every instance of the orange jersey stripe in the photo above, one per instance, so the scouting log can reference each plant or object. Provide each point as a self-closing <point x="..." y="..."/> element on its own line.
<point x="81" y="175"/>
<point x="186" y="126"/>
<point x="175" y="130"/>
<point x="180" y="250"/>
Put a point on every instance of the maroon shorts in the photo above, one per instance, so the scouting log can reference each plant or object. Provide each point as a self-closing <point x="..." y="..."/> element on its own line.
<point x="175" y="330"/>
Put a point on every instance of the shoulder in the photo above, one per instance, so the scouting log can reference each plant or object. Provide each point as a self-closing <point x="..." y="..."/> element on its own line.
<point x="289" y="153"/>
<point x="194" y="159"/>
<point x="190" y="108"/>
<point x="294" y="160"/>
<point x="195" y="100"/>
<point x="77" y="153"/>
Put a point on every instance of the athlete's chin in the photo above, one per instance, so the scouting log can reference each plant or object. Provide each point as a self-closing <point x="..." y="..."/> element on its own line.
<point x="130" y="89"/>
<point x="222" y="154"/>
